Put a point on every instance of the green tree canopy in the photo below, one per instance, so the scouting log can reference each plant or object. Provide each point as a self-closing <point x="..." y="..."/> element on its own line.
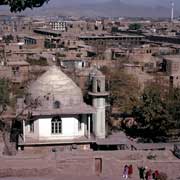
<point x="8" y="38"/>
<point x="152" y="115"/>
<point x="158" y="113"/>
<point x="135" y="26"/>
<point x="174" y="107"/>
<point x="20" y="5"/>
<point x="124" y="89"/>
<point x="4" y="92"/>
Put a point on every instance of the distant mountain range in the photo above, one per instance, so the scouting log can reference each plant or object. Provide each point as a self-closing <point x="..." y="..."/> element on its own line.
<point x="113" y="8"/>
<point x="153" y="3"/>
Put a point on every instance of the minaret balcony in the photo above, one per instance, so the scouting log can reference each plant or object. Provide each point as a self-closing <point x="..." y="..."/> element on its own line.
<point x="99" y="94"/>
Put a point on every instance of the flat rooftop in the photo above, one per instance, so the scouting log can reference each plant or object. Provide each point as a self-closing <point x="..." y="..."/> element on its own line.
<point x="172" y="58"/>
<point x="33" y="37"/>
<point x="110" y="37"/>
<point x="19" y="63"/>
<point x="47" y="31"/>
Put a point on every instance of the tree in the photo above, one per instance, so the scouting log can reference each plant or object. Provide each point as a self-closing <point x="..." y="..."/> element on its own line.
<point x="124" y="89"/>
<point x="42" y="61"/>
<point x="7" y="39"/>
<point x="4" y="92"/>
<point x="135" y="26"/>
<point x="152" y="115"/>
<point x="21" y="5"/>
<point x="174" y="108"/>
<point x="114" y="29"/>
<point x="12" y="129"/>
<point x="11" y="124"/>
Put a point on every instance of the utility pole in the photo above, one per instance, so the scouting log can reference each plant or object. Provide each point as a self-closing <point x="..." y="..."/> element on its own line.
<point x="172" y="11"/>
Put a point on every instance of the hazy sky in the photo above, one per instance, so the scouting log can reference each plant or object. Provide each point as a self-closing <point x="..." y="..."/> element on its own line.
<point x="142" y="8"/>
<point x="137" y="2"/>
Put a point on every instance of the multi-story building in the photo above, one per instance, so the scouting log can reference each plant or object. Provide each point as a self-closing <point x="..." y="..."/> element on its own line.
<point x="58" y="25"/>
<point x="34" y="41"/>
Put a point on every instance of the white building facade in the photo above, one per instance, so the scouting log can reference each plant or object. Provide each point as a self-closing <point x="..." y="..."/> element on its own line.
<point x="58" y="25"/>
<point x="56" y="128"/>
<point x="57" y="112"/>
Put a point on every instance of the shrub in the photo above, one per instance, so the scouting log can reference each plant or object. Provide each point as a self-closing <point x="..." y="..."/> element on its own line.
<point x="162" y="176"/>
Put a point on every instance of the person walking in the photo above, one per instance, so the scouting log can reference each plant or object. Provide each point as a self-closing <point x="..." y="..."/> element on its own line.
<point x="156" y="174"/>
<point x="146" y="175"/>
<point x="141" y="172"/>
<point x="125" y="172"/>
<point x="149" y="175"/>
<point x="130" y="171"/>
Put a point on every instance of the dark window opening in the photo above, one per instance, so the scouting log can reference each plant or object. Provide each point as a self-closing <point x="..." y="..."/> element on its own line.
<point x="56" y="104"/>
<point x="80" y="122"/>
<point x="98" y="86"/>
<point x="31" y="123"/>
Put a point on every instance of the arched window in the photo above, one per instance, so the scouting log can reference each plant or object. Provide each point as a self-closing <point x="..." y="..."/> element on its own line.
<point x="56" y="125"/>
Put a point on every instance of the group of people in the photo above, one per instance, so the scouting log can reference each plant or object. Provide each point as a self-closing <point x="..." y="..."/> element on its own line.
<point x="128" y="171"/>
<point x="148" y="174"/>
<point x="144" y="173"/>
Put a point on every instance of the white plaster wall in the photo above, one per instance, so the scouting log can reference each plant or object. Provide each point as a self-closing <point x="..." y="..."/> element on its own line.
<point x="99" y="118"/>
<point x="69" y="129"/>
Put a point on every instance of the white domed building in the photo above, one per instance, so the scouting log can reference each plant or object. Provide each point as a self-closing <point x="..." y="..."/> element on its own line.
<point x="59" y="116"/>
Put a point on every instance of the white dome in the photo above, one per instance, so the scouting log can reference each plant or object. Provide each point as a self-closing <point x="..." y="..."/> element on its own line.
<point x="54" y="84"/>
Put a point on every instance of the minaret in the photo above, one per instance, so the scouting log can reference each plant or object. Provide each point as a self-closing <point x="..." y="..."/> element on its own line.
<point x="172" y="11"/>
<point x="98" y="94"/>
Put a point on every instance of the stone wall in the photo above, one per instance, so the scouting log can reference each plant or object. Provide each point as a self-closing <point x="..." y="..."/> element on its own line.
<point x="82" y="164"/>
